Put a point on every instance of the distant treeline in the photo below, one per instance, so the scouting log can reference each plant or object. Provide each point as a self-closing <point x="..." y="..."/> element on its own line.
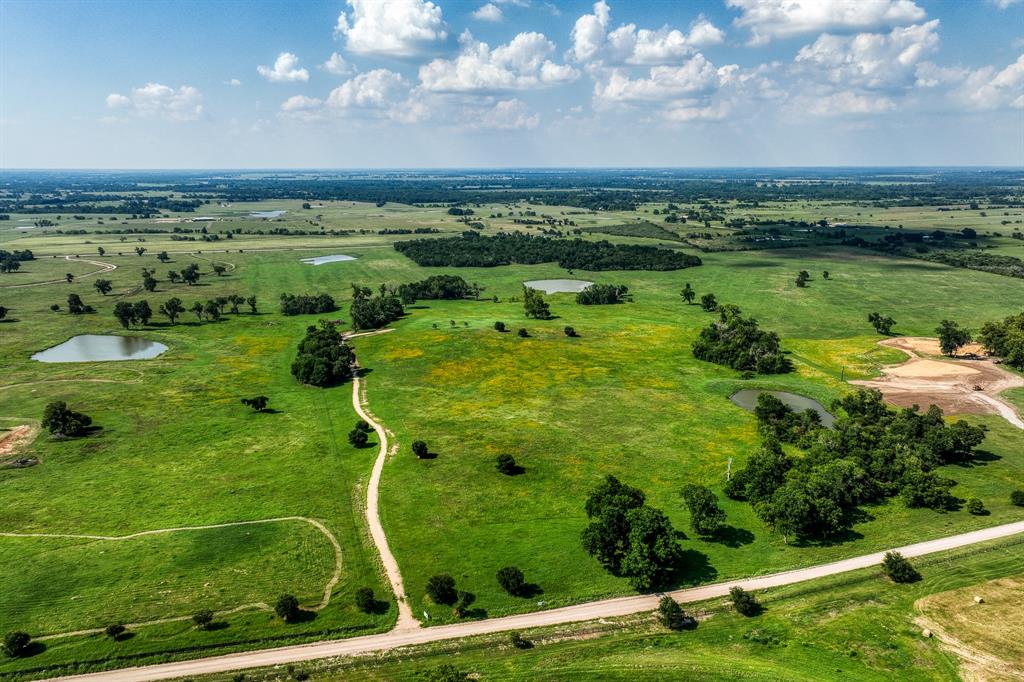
<point x="475" y="250"/>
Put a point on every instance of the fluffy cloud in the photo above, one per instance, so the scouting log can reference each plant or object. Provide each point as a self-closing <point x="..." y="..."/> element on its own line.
<point x="870" y="60"/>
<point x="627" y="44"/>
<point x="300" y="103"/>
<point x="154" y="100"/>
<point x="337" y="65"/>
<point x="234" y="82"/>
<point x="377" y="89"/>
<point x="1004" y="4"/>
<point x="396" y="28"/>
<point x="846" y="103"/>
<point x="510" y="114"/>
<point x="773" y="19"/>
<point x="285" y="70"/>
<point x="987" y="88"/>
<point x="489" y="12"/>
<point x="696" y="75"/>
<point x="522" y="63"/>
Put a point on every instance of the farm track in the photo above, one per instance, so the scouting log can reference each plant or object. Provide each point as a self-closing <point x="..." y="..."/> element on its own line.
<point x="324" y="601"/>
<point x="104" y="267"/>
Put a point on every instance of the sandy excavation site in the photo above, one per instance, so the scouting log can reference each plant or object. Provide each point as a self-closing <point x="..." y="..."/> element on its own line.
<point x="967" y="384"/>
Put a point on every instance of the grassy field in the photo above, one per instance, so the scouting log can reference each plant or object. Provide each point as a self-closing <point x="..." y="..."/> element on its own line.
<point x="176" y="448"/>
<point x="856" y="626"/>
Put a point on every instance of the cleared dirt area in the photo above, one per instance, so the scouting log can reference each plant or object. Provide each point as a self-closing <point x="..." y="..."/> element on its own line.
<point x="985" y="634"/>
<point x="966" y="384"/>
<point x="14" y="439"/>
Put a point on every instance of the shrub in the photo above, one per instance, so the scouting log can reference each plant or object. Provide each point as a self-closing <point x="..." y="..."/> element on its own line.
<point x="446" y="673"/>
<point x="898" y="569"/>
<point x="744" y="602"/>
<point x="706" y="517"/>
<point x="258" y="403"/>
<point x="17" y="643"/>
<point x="511" y="580"/>
<point x="535" y="305"/>
<point x="63" y="422"/>
<point x="499" y="326"/>
<point x="419" y="448"/>
<point x="114" y="631"/>
<point x="519" y="642"/>
<point x="523" y="333"/>
<point x="737" y="342"/>
<point x="203" y="619"/>
<point x="672" y="615"/>
<point x="600" y="294"/>
<point x="570" y="332"/>
<point x="1017" y="498"/>
<point x="975" y="506"/>
<point x="441" y="589"/>
<point x="365" y="600"/>
<point x="287" y="608"/>
<point x="358" y="438"/>
<point x="506" y="464"/>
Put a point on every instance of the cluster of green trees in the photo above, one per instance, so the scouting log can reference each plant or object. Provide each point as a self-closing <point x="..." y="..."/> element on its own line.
<point x="629" y="537"/>
<point x="189" y="275"/>
<point x="129" y="314"/>
<point x="535" y="305"/>
<point x="373" y="311"/>
<point x="1005" y="338"/>
<point x="475" y="250"/>
<point x="63" y="422"/>
<point x="324" y="359"/>
<point x="737" y="342"/>
<point x="76" y="306"/>
<point x="359" y="436"/>
<point x="448" y="287"/>
<point x="881" y="323"/>
<point x="306" y="304"/>
<point x="10" y="261"/>
<point x="598" y="294"/>
<point x="871" y="453"/>
<point x="952" y="337"/>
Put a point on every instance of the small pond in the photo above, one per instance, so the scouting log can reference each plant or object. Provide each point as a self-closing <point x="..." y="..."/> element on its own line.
<point x="558" y="286"/>
<point x="747" y="399"/>
<point x="320" y="260"/>
<point x="96" y="348"/>
<point x="267" y="214"/>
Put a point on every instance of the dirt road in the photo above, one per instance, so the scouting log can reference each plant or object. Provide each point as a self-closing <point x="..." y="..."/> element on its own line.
<point x="607" y="608"/>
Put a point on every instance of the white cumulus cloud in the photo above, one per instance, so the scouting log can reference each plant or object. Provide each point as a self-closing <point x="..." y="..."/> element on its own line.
<point x="285" y="70"/>
<point x="154" y="100"/>
<point x="377" y="89"/>
<point x="300" y="103"/>
<point x="520" y="64"/>
<point x="489" y="12"/>
<point x="395" y="28"/>
<point x="779" y="19"/>
<point x="337" y="65"/>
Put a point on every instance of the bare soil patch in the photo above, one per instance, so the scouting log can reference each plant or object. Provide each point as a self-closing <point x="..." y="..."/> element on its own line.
<point x="14" y="439"/>
<point x="985" y="634"/>
<point x="966" y="384"/>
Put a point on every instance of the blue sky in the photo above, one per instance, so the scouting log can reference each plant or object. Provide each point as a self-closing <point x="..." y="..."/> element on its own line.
<point x="411" y="83"/>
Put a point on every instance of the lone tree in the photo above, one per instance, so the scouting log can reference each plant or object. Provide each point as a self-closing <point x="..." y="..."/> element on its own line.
<point x="114" y="631"/>
<point x="69" y="278"/>
<point x="976" y="507"/>
<point x="441" y="589"/>
<point x="171" y="308"/>
<point x="709" y="303"/>
<point x="570" y="332"/>
<point x="365" y="601"/>
<point x="63" y="422"/>
<point x="744" y="602"/>
<point x="17" y="644"/>
<point x="706" y="517"/>
<point x="535" y="305"/>
<point x="251" y="302"/>
<point x="506" y="464"/>
<point x="898" y="569"/>
<point x="125" y="313"/>
<point x="688" y="294"/>
<point x="163" y="257"/>
<point x="219" y="269"/>
<point x="952" y="337"/>
<point x="801" y="279"/>
<point x="103" y="286"/>
<point x="523" y="333"/>
<point x="882" y="325"/>
<point x="287" y="608"/>
<point x="358" y="438"/>
<point x="1017" y="498"/>
<point x="511" y="580"/>
<point x="258" y="403"/>
<point x="100" y="250"/>
<point x="499" y="326"/>
<point x="825" y="274"/>
<point x="671" y="614"/>
<point x="203" y="619"/>
<point x="419" y="448"/>
<point x="3" y="312"/>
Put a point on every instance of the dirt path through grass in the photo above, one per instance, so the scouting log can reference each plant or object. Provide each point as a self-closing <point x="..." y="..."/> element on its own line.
<point x="104" y="267"/>
<point x="406" y="620"/>
<point x="325" y="600"/>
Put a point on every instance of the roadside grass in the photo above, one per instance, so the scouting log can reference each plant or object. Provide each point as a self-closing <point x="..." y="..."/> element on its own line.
<point x="854" y="626"/>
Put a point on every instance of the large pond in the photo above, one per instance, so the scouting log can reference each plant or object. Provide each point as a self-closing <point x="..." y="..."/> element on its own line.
<point x="747" y="399"/>
<point x="320" y="260"/>
<point x="558" y="286"/>
<point x="96" y="348"/>
<point x="267" y="214"/>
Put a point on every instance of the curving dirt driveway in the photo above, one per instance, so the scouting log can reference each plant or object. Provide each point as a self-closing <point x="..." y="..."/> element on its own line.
<point x="607" y="608"/>
<point x="104" y="267"/>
